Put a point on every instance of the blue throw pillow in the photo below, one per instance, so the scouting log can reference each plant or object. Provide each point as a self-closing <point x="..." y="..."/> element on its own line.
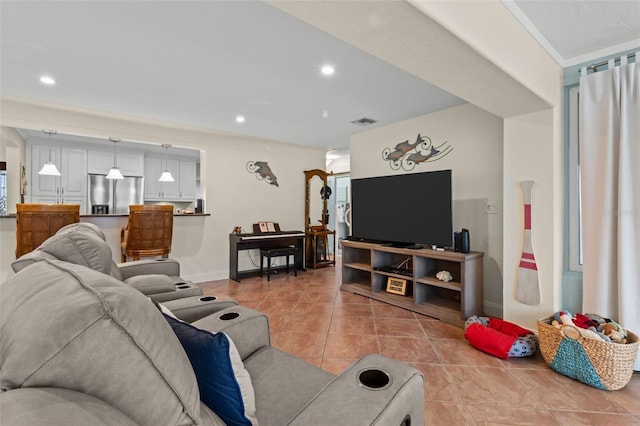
<point x="224" y="383"/>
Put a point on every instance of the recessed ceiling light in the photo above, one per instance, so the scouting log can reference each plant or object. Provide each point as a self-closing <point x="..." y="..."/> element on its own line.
<point x="240" y="119"/>
<point x="327" y="70"/>
<point x="49" y="81"/>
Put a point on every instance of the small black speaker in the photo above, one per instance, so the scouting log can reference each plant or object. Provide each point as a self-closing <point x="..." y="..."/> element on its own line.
<point x="464" y="243"/>
<point x="199" y="205"/>
<point x="461" y="241"/>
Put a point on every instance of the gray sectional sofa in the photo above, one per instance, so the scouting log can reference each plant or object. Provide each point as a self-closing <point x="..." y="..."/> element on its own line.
<point x="79" y="347"/>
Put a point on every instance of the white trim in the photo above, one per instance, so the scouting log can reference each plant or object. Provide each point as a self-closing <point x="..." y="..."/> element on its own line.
<point x="575" y="222"/>
<point x="602" y="53"/>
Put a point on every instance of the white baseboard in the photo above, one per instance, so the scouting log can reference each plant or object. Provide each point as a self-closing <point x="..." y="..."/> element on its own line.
<point x="208" y="276"/>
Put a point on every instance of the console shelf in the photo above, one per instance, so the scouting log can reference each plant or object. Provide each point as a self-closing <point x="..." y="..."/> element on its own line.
<point x="451" y="302"/>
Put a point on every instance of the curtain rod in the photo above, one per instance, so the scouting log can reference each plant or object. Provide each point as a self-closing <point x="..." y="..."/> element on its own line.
<point x="599" y="64"/>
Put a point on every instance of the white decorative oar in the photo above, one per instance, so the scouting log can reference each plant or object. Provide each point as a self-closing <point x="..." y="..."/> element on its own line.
<point x="528" y="289"/>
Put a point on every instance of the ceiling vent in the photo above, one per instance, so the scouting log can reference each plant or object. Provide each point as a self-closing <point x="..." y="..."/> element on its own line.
<point x="364" y="121"/>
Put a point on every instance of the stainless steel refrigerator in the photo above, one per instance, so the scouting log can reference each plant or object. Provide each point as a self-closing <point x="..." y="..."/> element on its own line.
<point x="113" y="196"/>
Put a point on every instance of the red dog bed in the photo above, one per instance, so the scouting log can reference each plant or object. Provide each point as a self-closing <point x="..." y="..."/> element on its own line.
<point x="500" y="338"/>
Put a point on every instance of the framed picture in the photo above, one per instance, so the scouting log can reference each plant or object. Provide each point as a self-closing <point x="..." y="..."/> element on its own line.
<point x="397" y="286"/>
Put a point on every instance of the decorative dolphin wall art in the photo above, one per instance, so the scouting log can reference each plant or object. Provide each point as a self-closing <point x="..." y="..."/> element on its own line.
<point x="262" y="172"/>
<point x="407" y="155"/>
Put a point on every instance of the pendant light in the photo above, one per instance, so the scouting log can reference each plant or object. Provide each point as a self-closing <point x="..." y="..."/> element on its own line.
<point x="49" y="169"/>
<point x="114" y="172"/>
<point x="166" y="174"/>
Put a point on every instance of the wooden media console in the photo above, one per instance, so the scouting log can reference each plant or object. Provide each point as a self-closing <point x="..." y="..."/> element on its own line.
<point x="366" y="268"/>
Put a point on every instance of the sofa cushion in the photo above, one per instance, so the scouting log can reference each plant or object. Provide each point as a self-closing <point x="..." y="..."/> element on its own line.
<point x="225" y="385"/>
<point x="86" y="225"/>
<point x="68" y="326"/>
<point x="57" y="407"/>
<point x="283" y="384"/>
<point x="78" y="245"/>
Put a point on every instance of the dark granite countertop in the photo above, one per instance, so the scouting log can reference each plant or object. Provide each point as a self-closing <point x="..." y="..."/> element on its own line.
<point x="13" y="215"/>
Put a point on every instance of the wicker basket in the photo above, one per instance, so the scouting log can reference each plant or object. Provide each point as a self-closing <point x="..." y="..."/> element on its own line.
<point x="600" y="364"/>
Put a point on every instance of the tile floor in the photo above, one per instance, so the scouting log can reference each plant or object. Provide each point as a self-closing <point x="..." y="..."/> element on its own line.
<point x="311" y="318"/>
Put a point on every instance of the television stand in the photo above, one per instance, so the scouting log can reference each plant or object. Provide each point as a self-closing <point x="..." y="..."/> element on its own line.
<point x="404" y="245"/>
<point x="366" y="270"/>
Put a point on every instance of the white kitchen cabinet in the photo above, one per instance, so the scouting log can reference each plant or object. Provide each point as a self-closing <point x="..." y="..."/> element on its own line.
<point x="130" y="163"/>
<point x="188" y="180"/>
<point x="62" y="200"/>
<point x="171" y="190"/>
<point x="152" y="171"/>
<point x="183" y="188"/>
<point x="72" y="164"/>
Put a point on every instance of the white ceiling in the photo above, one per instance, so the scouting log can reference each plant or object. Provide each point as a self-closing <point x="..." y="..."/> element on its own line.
<point x="578" y="31"/>
<point x="202" y="63"/>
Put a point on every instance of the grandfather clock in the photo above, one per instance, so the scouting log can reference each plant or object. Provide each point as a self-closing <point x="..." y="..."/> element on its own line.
<point x="319" y="239"/>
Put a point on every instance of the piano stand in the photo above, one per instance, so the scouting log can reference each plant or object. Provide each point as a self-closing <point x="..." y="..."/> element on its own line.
<point x="239" y="242"/>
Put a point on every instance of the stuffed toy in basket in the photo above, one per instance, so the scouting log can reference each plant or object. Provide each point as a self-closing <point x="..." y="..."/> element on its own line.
<point x="585" y="354"/>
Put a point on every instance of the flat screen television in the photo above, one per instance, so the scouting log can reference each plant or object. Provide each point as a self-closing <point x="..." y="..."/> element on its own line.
<point x="404" y="210"/>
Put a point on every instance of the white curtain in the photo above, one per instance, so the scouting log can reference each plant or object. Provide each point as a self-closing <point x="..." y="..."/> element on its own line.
<point x="610" y="172"/>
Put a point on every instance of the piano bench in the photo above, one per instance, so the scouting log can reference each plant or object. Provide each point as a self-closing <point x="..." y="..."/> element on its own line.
<point x="276" y="252"/>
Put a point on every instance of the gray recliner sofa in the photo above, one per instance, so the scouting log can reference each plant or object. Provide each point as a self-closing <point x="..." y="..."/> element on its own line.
<point x="79" y="347"/>
<point x="84" y="244"/>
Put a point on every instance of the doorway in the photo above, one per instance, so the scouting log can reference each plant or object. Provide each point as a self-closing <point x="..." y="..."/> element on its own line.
<point x="339" y="207"/>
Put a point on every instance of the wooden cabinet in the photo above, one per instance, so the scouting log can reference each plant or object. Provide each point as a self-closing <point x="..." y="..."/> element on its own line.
<point x="183" y="188"/>
<point x="130" y="163"/>
<point x="367" y="267"/>
<point x="72" y="164"/>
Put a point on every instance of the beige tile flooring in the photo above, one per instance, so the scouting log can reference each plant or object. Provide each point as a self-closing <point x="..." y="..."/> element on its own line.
<point x="311" y="318"/>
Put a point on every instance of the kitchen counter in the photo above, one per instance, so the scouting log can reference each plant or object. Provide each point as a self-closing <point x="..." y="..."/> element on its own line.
<point x="13" y="215"/>
<point x="127" y="215"/>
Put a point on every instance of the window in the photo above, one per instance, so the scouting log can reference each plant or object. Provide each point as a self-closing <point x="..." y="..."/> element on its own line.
<point x="575" y="205"/>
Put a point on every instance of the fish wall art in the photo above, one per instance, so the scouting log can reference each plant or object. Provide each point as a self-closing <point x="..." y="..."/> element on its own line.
<point x="262" y="172"/>
<point x="407" y="155"/>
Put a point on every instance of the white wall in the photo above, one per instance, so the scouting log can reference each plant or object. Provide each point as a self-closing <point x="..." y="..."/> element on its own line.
<point x="531" y="153"/>
<point x="476" y="161"/>
<point x="233" y="196"/>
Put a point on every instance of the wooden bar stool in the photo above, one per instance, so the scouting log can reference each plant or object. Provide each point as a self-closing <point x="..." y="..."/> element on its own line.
<point x="37" y="222"/>
<point x="148" y="232"/>
<point x="276" y="252"/>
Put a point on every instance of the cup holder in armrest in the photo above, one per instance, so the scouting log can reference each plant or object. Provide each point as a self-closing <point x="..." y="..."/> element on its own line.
<point x="229" y="316"/>
<point x="374" y="379"/>
<point x="207" y="298"/>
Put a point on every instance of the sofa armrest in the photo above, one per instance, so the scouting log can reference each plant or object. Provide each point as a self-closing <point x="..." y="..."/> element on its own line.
<point x="58" y="407"/>
<point x="193" y="308"/>
<point x="151" y="283"/>
<point x="248" y="329"/>
<point x="346" y="400"/>
<point x="163" y="266"/>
